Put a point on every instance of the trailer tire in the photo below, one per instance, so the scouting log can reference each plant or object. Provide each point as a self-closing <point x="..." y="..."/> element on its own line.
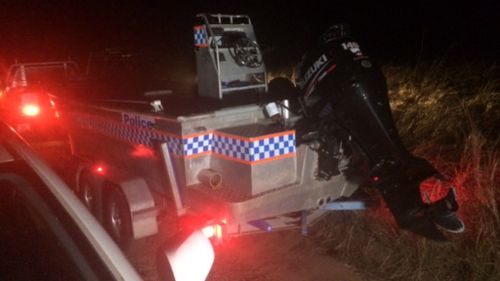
<point x="88" y="186"/>
<point x="116" y="217"/>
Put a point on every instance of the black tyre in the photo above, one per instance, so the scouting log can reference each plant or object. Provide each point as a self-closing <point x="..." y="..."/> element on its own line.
<point x="88" y="186"/>
<point x="116" y="216"/>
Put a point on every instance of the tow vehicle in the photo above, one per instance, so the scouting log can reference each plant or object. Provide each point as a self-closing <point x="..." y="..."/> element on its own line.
<point x="25" y="95"/>
<point x="245" y="155"/>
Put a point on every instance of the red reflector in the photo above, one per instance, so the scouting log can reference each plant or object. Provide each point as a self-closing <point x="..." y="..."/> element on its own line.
<point x="100" y="169"/>
<point x="31" y="110"/>
<point x="375" y="178"/>
<point x="142" y="151"/>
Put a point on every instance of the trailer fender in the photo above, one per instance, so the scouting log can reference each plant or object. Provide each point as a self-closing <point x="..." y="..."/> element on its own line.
<point x="143" y="211"/>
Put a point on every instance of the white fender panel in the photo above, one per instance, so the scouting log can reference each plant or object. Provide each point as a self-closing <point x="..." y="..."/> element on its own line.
<point x="142" y="207"/>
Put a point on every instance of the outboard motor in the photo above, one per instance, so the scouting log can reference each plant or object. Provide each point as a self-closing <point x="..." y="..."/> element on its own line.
<point x="341" y="88"/>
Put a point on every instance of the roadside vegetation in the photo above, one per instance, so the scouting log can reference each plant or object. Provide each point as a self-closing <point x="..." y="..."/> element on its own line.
<point x="449" y="113"/>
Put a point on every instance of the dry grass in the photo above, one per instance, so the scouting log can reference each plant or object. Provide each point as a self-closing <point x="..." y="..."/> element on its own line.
<point x="448" y="114"/>
<point x="445" y="103"/>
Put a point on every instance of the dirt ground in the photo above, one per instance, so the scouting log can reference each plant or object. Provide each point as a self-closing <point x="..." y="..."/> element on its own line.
<point x="283" y="255"/>
<point x="275" y="256"/>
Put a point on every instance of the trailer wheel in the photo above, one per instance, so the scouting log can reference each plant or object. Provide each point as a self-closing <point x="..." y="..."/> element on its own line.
<point x="117" y="218"/>
<point x="87" y="190"/>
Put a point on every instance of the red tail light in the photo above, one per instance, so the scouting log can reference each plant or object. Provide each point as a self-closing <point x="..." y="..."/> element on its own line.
<point x="213" y="231"/>
<point x="31" y="110"/>
<point x="216" y="232"/>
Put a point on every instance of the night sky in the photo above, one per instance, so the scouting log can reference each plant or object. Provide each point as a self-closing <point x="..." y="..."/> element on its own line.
<point x="398" y="31"/>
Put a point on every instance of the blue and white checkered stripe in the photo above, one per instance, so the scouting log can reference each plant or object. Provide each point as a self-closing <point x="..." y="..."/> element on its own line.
<point x="271" y="147"/>
<point x="200" y="36"/>
<point x="252" y="151"/>
<point x="232" y="147"/>
<point x="197" y="144"/>
<point x="249" y="151"/>
<point x="131" y="134"/>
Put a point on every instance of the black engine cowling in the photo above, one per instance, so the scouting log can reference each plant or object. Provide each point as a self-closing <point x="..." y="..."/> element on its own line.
<point x="338" y="83"/>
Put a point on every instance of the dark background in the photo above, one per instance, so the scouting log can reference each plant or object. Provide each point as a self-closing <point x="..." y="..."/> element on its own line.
<point x="405" y="31"/>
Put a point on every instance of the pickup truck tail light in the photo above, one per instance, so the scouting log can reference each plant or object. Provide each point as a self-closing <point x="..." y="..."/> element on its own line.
<point x="31" y="110"/>
<point x="36" y="104"/>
